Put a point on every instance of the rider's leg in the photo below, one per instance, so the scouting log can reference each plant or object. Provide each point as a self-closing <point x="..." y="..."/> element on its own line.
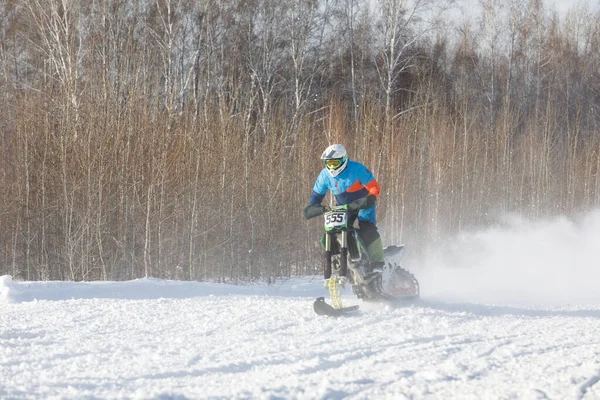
<point x="370" y="238"/>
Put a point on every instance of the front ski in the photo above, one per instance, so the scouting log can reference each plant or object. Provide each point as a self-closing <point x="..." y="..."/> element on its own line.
<point x="322" y="308"/>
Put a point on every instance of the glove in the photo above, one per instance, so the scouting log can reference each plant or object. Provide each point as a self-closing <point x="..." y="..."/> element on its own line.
<point x="371" y="200"/>
<point x="363" y="203"/>
<point x="313" y="210"/>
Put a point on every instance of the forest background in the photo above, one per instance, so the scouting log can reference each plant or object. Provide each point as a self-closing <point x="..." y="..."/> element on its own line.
<point x="181" y="139"/>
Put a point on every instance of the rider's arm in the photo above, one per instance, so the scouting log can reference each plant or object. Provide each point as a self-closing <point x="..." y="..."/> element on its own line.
<point x="319" y="190"/>
<point x="373" y="188"/>
<point x="314" y="208"/>
<point x="370" y="183"/>
<point x="368" y="179"/>
<point x="364" y="202"/>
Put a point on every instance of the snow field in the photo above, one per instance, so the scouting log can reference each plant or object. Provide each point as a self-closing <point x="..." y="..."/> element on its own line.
<point x="265" y="346"/>
<point x="512" y="312"/>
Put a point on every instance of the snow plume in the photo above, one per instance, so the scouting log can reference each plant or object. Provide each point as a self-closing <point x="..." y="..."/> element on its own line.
<point x="550" y="262"/>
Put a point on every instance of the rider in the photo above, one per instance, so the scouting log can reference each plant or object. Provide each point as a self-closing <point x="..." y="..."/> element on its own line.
<point x="354" y="184"/>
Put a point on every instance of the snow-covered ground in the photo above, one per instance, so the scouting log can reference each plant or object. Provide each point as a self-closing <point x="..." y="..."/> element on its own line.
<point x="512" y="312"/>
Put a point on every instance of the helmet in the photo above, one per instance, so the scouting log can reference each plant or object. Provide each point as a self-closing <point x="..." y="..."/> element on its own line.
<point x="335" y="158"/>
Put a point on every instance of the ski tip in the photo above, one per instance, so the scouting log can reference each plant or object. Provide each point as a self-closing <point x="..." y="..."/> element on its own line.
<point x="322" y="308"/>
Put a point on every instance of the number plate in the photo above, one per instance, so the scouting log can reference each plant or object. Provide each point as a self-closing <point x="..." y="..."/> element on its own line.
<point x="335" y="219"/>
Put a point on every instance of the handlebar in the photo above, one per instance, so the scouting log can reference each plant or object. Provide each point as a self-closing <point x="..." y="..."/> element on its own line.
<point x="314" y="210"/>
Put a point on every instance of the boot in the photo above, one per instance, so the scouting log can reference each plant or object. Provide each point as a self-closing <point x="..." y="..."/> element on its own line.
<point x="372" y="267"/>
<point x="377" y="266"/>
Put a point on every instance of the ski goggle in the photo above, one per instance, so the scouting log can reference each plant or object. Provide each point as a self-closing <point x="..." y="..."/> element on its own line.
<point x="333" y="163"/>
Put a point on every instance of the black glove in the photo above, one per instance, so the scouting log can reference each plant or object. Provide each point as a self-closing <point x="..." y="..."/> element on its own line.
<point x="363" y="203"/>
<point x="313" y="210"/>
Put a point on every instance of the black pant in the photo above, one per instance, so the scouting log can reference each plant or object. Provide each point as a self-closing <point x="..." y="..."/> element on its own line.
<point x="367" y="232"/>
<point x="371" y="241"/>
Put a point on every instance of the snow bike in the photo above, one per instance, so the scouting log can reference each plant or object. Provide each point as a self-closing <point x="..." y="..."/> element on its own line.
<point x="345" y="263"/>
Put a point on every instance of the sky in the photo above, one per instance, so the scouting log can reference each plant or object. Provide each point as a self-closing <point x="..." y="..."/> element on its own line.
<point x="509" y="312"/>
<point x="565" y="5"/>
<point x="562" y="6"/>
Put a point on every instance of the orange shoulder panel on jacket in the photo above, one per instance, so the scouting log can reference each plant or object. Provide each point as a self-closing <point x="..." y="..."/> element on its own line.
<point x="373" y="188"/>
<point x="356" y="186"/>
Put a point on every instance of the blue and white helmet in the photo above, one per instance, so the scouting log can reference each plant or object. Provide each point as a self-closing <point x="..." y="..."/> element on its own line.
<point x="335" y="158"/>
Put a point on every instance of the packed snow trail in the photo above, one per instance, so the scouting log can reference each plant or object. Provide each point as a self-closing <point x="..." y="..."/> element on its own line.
<point x="511" y="312"/>
<point x="270" y="344"/>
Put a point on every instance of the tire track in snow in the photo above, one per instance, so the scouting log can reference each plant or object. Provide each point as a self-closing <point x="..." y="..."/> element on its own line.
<point x="587" y="385"/>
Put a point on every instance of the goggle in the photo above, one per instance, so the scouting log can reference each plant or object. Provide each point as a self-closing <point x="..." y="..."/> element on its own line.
<point x="333" y="163"/>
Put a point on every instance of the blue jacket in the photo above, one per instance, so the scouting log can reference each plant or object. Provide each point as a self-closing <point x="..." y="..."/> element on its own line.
<point x="354" y="182"/>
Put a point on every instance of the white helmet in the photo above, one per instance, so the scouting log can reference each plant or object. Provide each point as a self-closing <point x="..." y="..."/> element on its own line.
<point x="335" y="158"/>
